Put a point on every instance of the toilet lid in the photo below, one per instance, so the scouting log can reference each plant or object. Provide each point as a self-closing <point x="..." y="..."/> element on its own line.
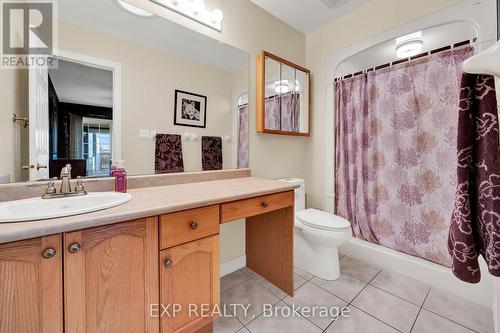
<point x="322" y="220"/>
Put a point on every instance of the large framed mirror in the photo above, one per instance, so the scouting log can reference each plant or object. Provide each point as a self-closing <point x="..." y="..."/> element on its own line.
<point x="283" y="96"/>
<point x="121" y="81"/>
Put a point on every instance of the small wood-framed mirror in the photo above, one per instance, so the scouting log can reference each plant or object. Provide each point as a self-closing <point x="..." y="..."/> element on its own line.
<point x="283" y="96"/>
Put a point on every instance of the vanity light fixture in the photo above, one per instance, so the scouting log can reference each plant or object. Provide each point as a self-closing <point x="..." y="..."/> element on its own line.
<point x="409" y="45"/>
<point x="133" y="9"/>
<point x="195" y="10"/>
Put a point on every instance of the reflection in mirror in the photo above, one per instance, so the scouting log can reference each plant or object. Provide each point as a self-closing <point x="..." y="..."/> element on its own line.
<point x="272" y="94"/>
<point x="80" y="119"/>
<point x="283" y="97"/>
<point x="143" y="90"/>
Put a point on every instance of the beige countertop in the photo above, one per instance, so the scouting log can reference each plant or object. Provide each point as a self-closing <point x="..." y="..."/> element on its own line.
<point x="149" y="201"/>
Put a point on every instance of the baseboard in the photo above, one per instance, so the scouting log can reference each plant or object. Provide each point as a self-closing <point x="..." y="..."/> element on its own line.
<point x="233" y="265"/>
<point x="422" y="270"/>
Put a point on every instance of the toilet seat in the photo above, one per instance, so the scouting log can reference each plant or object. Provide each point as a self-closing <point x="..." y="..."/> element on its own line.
<point x="321" y="220"/>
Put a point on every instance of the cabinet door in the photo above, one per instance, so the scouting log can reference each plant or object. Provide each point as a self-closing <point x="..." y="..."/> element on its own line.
<point x="111" y="278"/>
<point x="31" y="286"/>
<point x="189" y="276"/>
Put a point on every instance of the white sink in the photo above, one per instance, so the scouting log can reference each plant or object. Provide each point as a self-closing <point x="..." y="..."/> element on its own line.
<point x="42" y="209"/>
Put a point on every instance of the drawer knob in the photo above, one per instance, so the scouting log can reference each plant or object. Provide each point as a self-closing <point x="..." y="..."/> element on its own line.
<point x="49" y="253"/>
<point x="75" y="248"/>
<point x="265" y="204"/>
<point x="168" y="263"/>
<point x="194" y="225"/>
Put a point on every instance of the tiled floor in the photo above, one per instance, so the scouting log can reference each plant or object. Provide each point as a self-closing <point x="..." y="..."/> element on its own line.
<point x="379" y="301"/>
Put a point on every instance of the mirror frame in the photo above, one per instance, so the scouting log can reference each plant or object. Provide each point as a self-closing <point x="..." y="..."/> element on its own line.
<point x="261" y="94"/>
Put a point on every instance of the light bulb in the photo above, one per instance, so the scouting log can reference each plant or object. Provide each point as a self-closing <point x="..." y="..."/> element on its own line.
<point x="217" y="15"/>
<point x="133" y="9"/>
<point x="198" y="6"/>
<point x="187" y="7"/>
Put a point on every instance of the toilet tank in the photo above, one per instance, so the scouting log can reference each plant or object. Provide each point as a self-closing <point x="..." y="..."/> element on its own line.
<point x="300" y="192"/>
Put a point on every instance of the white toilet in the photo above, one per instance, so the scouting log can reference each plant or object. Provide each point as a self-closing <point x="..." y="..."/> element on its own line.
<point x="318" y="235"/>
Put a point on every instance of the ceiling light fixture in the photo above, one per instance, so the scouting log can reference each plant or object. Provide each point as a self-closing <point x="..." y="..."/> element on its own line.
<point x="409" y="45"/>
<point x="133" y="9"/>
<point x="281" y="87"/>
<point x="284" y="86"/>
<point x="195" y="10"/>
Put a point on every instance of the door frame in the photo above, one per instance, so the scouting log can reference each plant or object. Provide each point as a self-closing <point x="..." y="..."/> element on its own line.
<point x="116" y="69"/>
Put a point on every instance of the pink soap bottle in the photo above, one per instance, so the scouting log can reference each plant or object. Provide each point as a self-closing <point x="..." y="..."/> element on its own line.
<point x="120" y="176"/>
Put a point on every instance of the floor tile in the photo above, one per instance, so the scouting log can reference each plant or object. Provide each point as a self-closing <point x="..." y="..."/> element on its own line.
<point x="310" y="295"/>
<point x="358" y="269"/>
<point x="248" y="293"/>
<point x="232" y="280"/>
<point x="430" y="322"/>
<point x="388" y="308"/>
<point x="359" y="322"/>
<point x="298" y="281"/>
<point x="303" y="273"/>
<point x="249" y="272"/>
<point x="227" y="325"/>
<point x="468" y="314"/>
<point x="346" y="287"/>
<point x="270" y="287"/>
<point x="284" y="320"/>
<point x="411" y="290"/>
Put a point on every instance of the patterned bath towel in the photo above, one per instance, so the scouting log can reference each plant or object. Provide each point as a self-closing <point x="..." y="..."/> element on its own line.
<point x="211" y="153"/>
<point x="168" y="154"/>
<point x="475" y="223"/>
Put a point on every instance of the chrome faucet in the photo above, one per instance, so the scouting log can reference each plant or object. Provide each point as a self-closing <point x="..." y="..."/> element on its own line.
<point x="65" y="191"/>
<point x="65" y="179"/>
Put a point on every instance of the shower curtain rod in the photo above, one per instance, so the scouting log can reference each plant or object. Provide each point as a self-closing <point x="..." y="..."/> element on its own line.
<point x="441" y="49"/>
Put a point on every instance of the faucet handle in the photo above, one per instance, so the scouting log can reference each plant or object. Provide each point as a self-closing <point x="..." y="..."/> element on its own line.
<point x="79" y="188"/>
<point x="51" y="189"/>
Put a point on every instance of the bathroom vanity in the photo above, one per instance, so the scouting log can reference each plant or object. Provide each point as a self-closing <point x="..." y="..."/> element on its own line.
<point x="109" y="271"/>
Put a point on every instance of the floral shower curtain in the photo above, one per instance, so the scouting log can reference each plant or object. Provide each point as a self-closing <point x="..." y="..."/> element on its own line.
<point x="243" y="136"/>
<point x="273" y="114"/>
<point x="283" y="112"/>
<point x="395" y="174"/>
<point x="290" y="112"/>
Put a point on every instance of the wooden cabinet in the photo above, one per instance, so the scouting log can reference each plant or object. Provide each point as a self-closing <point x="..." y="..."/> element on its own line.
<point x="31" y="286"/>
<point x="182" y="227"/>
<point x="189" y="276"/>
<point x="256" y="206"/>
<point x="120" y="277"/>
<point x="111" y="278"/>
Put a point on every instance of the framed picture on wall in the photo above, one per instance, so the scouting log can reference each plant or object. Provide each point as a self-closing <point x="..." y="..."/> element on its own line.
<point x="190" y="109"/>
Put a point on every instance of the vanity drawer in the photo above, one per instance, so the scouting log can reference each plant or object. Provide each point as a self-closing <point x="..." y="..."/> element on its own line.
<point x="189" y="225"/>
<point x="255" y="206"/>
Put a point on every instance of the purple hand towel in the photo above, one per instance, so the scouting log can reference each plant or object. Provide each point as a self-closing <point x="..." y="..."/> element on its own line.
<point x="475" y="223"/>
<point x="168" y="154"/>
<point x="211" y="153"/>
